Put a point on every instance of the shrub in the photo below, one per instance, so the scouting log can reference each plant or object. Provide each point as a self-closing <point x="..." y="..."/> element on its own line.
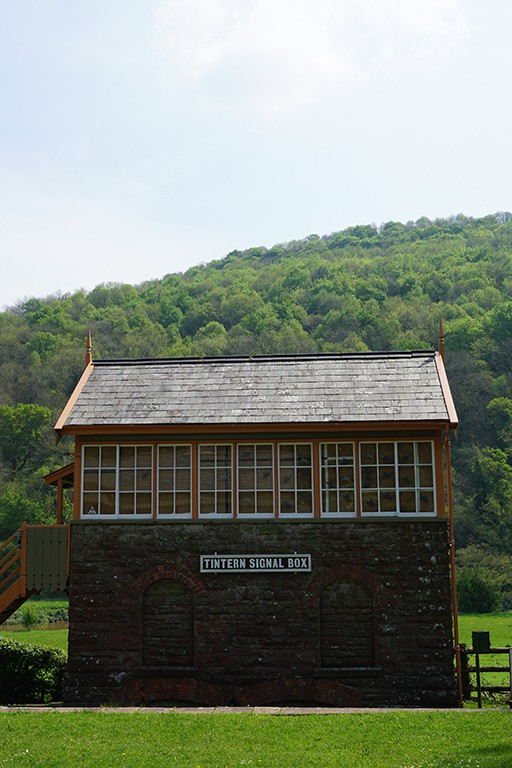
<point x="30" y="674"/>
<point x="476" y="593"/>
<point x="29" y="615"/>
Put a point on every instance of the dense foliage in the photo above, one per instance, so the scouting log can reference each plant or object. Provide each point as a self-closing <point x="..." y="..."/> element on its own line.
<point x="365" y="288"/>
<point x="30" y="674"/>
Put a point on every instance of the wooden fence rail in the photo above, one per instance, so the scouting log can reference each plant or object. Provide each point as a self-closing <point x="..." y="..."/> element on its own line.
<point x="478" y="669"/>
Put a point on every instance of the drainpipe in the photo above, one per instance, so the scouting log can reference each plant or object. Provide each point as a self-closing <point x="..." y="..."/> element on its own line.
<point x="452" y="564"/>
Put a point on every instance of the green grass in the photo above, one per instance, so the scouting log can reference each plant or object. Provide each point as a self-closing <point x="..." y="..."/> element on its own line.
<point x="155" y="740"/>
<point x="56" y="638"/>
<point x="500" y="627"/>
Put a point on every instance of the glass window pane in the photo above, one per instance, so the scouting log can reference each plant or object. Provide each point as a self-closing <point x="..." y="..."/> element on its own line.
<point x="386" y="453"/>
<point x="207" y="503"/>
<point x="304" y="478"/>
<point x="347" y="502"/>
<point x="264" y="479"/>
<point x="183" y="504"/>
<point x="368" y="453"/>
<point x="388" y="501"/>
<point x="425" y="453"/>
<point x="207" y="455"/>
<point x="166" y="504"/>
<point x="246" y="503"/>
<point x="207" y="479"/>
<point x="108" y="456"/>
<point x="143" y="504"/>
<point x="264" y="455"/>
<point x="246" y="455"/>
<point x="265" y="503"/>
<point x="369" y="477"/>
<point x="91" y="480"/>
<point x="224" y="479"/>
<point x="183" y="456"/>
<point x="91" y="456"/>
<point x="406" y="477"/>
<point x="126" y="480"/>
<point x="108" y="479"/>
<point x="166" y="456"/>
<point x="345" y="453"/>
<point x="183" y="479"/>
<point x="144" y="456"/>
<point x="387" y="477"/>
<point x="143" y="480"/>
<point x="304" y="503"/>
<point x="406" y="453"/>
<point x="126" y="456"/>
<point x="224" y="503"/>
<point x="90" y="504"/>
<point x="246" y="478"/>
<point x="224" y="455"/>
<point x="107" y="503"/>
<point x="346" y="477"/>
<point x="426" y="501"/>
<point x="288" y="503"/>
<point x="126" y="504"/>
<point x="370" y="501"/>
<point x="303" y="455"/>
<point x="407" y="501"/>
<point x="426" y="477"/>
<point x="166" y="479"/>
<point x="287" y="478"/>
<point x="287" y="455"/>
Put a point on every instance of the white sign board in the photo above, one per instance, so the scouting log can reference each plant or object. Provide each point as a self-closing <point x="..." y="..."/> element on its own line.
<point x="293" y="563"/>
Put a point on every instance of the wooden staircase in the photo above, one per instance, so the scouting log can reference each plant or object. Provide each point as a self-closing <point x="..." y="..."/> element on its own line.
<point x="34" y="559"/>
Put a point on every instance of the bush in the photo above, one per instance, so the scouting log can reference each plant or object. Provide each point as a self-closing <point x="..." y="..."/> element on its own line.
<point x="29" y="616"/>
<point x="30" y="674"/>
<point x="476" y="593"/>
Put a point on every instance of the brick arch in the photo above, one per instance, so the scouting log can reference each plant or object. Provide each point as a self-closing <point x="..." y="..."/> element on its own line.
<point x="177" y="573"/>
<point x="338" y="572"/>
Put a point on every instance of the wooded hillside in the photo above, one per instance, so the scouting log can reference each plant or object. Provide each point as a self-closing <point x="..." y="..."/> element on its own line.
<point x="365" y="288"/>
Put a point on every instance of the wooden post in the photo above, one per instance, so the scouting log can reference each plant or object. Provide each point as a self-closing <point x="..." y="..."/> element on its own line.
<point x="478" y="680"/>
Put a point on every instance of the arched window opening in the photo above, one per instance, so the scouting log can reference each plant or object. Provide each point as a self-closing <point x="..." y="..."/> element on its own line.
<point x="168" y="625"/>
<point x="347" y="625"/>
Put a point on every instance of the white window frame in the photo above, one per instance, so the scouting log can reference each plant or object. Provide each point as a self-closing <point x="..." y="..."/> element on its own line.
<point x="255" y="515"/>
<point x="215" y="515"/>
<point x="397" y="488"/>
<point x="295" y="490"/>
<point x="174" y="491"/>
<point x="116" y="490"/>
<point x="338" y="489"/>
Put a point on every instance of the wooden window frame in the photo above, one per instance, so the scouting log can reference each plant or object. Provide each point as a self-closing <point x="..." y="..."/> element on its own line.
<point x="315" y="492"/>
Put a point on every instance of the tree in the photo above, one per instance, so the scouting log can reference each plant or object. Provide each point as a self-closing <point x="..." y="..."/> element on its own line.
<point x="21" y="430"/>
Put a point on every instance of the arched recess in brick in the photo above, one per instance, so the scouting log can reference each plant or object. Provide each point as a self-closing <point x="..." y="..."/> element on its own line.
<point x="347" y="634"/>
<point x="168" y="624"/>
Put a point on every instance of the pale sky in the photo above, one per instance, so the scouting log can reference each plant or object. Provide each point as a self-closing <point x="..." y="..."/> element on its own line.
<point x="141" y="137"/>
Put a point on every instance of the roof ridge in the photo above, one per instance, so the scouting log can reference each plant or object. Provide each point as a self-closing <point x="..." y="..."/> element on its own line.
<point x="268" y="358"/>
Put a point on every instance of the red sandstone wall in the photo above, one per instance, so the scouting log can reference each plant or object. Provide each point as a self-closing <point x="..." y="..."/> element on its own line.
<point x="369" y="626"/>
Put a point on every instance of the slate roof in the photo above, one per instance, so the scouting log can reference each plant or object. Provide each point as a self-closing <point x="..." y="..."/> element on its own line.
<point x="347" y="388"/>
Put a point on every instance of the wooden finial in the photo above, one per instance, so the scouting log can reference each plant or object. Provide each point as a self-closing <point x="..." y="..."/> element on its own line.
<point x="88" y="349"/>
<point x="441" y="339"/>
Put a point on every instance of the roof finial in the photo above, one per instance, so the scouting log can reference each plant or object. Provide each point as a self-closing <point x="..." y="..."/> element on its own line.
<point x="88" y="349"/>
<point x="441" y="339"/>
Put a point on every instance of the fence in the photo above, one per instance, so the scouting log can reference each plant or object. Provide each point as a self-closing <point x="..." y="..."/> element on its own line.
<point x="482" y="647"/>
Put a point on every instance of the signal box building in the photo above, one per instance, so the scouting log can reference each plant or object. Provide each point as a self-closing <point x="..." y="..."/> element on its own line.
<point x="259" y="531"/>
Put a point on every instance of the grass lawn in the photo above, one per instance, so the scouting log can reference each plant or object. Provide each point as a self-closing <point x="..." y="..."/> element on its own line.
<point x="460" y="739"/>
<point x="56" y="638"/>
<point x="500" y="627"/>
